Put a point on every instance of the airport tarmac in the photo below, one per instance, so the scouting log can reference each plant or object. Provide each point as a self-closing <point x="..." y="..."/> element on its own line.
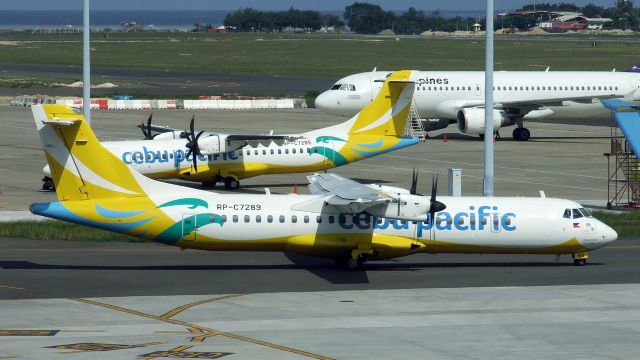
<point x="561" y="159"/>
<point x="546" y="322"/>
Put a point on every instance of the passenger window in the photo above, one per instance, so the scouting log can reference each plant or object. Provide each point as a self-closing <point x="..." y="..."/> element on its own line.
<point x="616" y="88"/>
<point x="258" y="218"/>
<point x="483" y="221"/>
<point x="306" y="219"/>
<point x="293" y="150"/>
<point x="272" y="152"/>
<point x="281" y="219"/>
<point x="247" y="218"/>
<point x="469" y="88"/>
<point x="294" y="219"/>
<point x="224" y="218"/>
<point x="332" y="219"/>
<point x="248" y="152"/>
<point x="567" y="214"/>
<point x="235" y="218"/>
<point x="255" y="152"/>
<point x="264" y="152"/>
<point x="301" y="150"/>
<point x="576" y="214"/>
<point x="171" y="156"/>
<point x="269" y="218"/>
<point x="279" y="151"/>
<point x="286" y="151"/>
<point x="319" y="219"/>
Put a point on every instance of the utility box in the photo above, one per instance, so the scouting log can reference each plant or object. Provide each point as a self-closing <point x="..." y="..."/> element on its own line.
<point x="455" y="182"/>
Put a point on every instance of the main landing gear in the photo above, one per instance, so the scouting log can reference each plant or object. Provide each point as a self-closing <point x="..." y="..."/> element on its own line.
<point x="355" y="261"/>
<point x="230" y="182"/>
<point x="521" y="134"/>
<point x="47" y="184"/>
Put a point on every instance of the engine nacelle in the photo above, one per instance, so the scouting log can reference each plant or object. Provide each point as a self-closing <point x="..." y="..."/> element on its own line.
<point x="169" y="135"/>
<point x="406" y="207"/>
<point x="435" y="124"/>
<point x="471" y="120"/>
<point x="218" y="144"/>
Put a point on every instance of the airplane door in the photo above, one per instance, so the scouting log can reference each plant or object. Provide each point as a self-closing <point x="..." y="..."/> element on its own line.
<point x="189" y="227"/>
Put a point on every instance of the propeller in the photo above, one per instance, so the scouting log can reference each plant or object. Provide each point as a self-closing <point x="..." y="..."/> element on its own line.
<point x="414" y="183"/>
<point x="146" y="130"/>
<point x="436" y="205"/>
<point x="192" y="143"/>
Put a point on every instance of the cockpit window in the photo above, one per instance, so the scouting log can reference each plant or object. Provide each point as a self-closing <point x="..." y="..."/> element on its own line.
<point x="576" y="214"/>
<point x="567" y="214"/>
<point x="348" y="87"/>
<point x="584" y="212"/>
<point x="335" y="87"/>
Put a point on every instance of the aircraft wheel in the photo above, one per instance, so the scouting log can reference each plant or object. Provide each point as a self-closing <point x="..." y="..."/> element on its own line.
<point x="580" y="262"/>
<point x="516" y="133"/>
<point x="47" y="184"/>
<point x="231" y="183"/>
<point x="525" y="134"/>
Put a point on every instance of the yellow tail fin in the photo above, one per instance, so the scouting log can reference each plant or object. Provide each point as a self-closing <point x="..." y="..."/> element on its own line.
<point x="81" y="167"/>
<point x="387" y="114"/>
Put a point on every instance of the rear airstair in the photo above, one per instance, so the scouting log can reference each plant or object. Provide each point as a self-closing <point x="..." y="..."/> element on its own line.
<point x="414" y="124"/>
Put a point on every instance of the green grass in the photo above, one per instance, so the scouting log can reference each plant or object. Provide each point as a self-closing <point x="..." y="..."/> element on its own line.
<point x="58" y="230"/>
<point x="627" y="224"/>
<point x="313" y="55"/>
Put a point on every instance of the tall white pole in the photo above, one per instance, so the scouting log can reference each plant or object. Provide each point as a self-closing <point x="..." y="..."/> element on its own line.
<point x="488" y="103"/>
<point x="86" y="65"/>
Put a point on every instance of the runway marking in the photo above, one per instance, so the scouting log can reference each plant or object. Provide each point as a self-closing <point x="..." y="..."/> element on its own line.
<point x="180" y="353"/>
<point x="204" y="329"/>
<point x="13" y="288"/>
<point x="88" y="347"/>
<point x="182" y="308"/>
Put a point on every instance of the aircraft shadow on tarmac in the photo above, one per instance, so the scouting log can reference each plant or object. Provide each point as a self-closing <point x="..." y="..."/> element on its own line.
<point x="321" y="268"/>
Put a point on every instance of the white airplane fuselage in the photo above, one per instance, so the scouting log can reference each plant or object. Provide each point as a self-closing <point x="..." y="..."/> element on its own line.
<point x="536" y="95"/>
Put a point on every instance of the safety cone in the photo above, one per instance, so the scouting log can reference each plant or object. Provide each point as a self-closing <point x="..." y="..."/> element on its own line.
<point x="295" y="189"/>
<point x="444" y="138"/>
<point x="494" y="138"/>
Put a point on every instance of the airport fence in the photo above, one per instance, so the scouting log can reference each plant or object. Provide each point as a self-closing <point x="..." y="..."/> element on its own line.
<point x="167" y="104"/>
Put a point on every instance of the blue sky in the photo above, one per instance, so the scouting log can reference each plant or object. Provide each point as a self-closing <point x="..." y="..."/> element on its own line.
<point x="270" y="4"/>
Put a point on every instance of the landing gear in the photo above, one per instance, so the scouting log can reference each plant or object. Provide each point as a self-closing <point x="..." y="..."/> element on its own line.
<point x="353" y="263"/>
<point x="580" y="259"/>
<point x="47" y="184"/>
<point x="521" y="134"/>
<point x="231" y="183"/>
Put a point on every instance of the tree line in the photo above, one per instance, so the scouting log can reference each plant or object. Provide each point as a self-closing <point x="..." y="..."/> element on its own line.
<point x="365" y="18"/>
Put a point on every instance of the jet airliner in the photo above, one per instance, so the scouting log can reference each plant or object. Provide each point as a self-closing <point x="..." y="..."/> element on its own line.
<point x="447" y="97"/>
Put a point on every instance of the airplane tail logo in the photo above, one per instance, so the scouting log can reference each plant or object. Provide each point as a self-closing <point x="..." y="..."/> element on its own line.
<point x="387" y="114"/>
<point x="635" y="68"/>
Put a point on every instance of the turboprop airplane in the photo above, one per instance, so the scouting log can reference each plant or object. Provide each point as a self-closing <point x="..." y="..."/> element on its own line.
<point x="211" y="157"/>
<point x="447" y="97"/>
<point x="342" y="220"/>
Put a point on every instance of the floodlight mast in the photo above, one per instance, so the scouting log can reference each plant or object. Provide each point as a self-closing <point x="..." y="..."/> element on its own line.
<point x="86" y="64"/>
<point x="488" y="103"/>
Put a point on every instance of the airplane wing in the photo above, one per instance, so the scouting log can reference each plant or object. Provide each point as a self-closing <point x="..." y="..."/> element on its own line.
<point x="347" y="195"/>
<point x="552" y="101"/>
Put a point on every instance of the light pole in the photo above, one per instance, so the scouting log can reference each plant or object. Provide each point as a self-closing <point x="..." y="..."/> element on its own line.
<point x="86" y="65"/>
<point x="488" y="103"/>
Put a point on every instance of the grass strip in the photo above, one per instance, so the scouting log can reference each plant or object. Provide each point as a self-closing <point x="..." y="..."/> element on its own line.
<point x="627" y="224"/>
<point x="59" y="230"/>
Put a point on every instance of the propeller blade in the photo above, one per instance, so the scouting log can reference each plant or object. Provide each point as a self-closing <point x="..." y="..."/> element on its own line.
<point x="193" y="119"/>
<point x="149" y="136"/>
<point x="414" y="183"/>
<point x="435" y="205"/>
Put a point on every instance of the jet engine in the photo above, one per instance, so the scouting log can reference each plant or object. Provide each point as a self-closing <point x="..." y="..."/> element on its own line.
<point x="471" y="120"/>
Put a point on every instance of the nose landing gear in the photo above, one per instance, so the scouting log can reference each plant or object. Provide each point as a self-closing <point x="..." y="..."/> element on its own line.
<point x="580" y="259"/>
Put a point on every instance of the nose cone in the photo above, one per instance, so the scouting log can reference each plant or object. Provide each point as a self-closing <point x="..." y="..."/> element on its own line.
<point x="608" y="235"/>
<point x="327" y="103"/>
